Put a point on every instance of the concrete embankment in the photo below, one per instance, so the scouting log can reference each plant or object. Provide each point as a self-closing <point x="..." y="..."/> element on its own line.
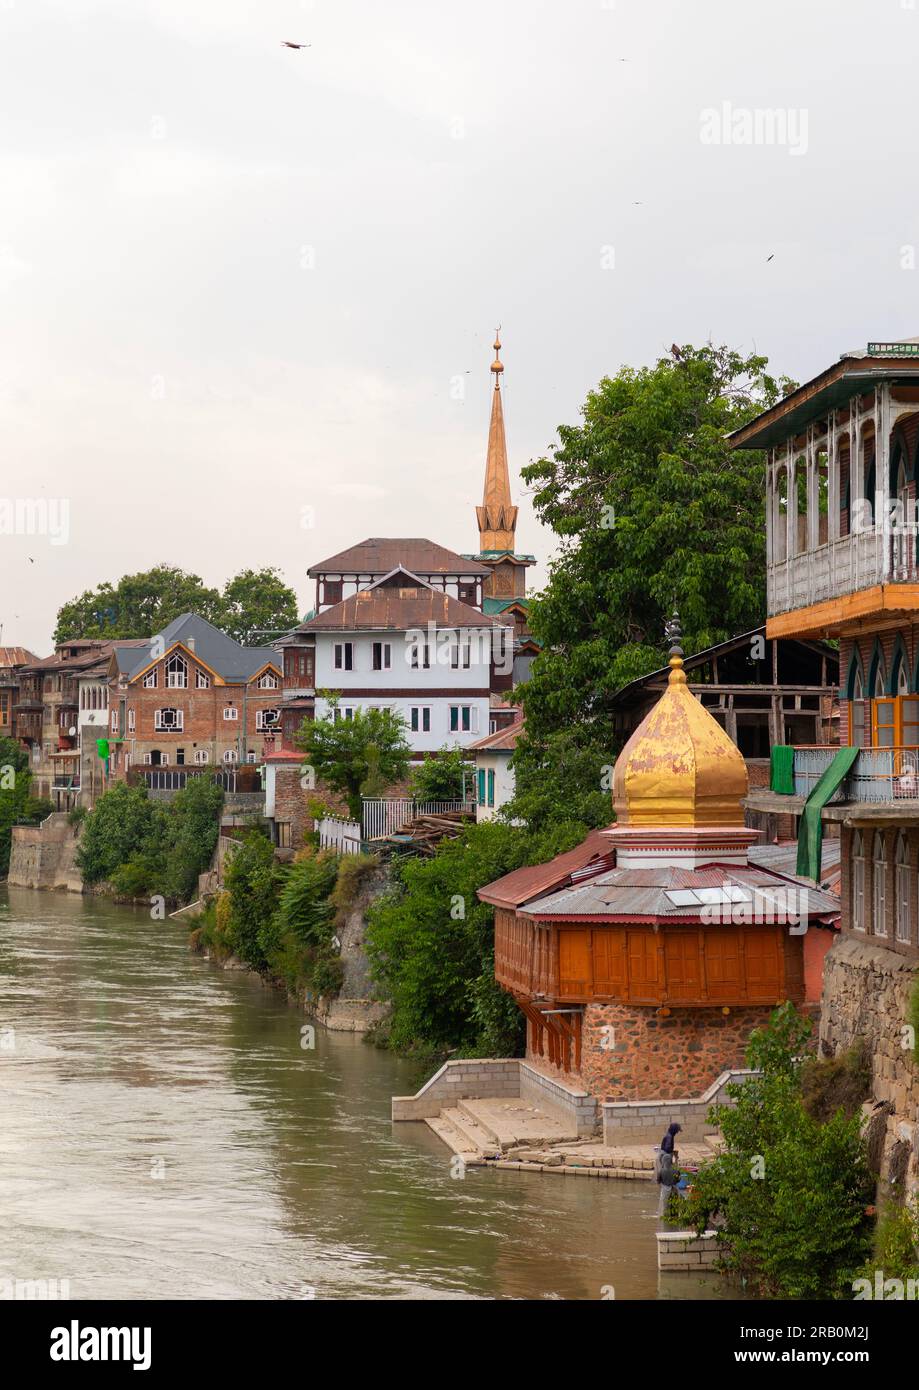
<point x="44" y="856"/>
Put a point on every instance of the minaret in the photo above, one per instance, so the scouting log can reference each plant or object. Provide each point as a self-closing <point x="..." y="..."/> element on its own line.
<point x="497" y="516"/>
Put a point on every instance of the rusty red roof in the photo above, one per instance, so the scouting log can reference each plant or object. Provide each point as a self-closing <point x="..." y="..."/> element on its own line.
<point x="17" y="656"/>
<point x="535" y="880"/>
<point x="502" y="740"/>
<point x="413" y="606"/>
<point x="380" y="554"/>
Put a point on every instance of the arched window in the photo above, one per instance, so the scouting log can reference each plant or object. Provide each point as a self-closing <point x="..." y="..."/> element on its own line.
<point x="858" y="882"/>
<point x="879" y="878"/>
<point x="176" y="672"/>
<point x="904" y="906"/>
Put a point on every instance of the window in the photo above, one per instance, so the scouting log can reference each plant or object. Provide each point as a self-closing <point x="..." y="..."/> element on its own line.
<point x="176" y="672"/>
<point x="879" y="876"/>
<point x="884" y="722"/>
<point x="150" y="680"/>
<point x="180" y="757"/>
<point x="114" y="721"/>
<point x="168" y="720"/>
<point x="421" y="655"/>
<point x="903" y="890"/>
<point x="267" y="719"/>
<point x="231" y="712"/>
<point x="421" y="719"/>
<point x="250" y="756"/>
<point x="338" y="713"/>
<point x="382" y="656"/>
<point x="202" y="680"/>
<point x="131" y="721"/>
<point x="268" y="681"/>
<point x="462" y="719"/>
<point x="858" y="882"/>
<point x="283" y="834"/>
<point x="467" y="594"/>
<point x="202" y="756"/>
<point x="230" y="755"/>
<point x="491" y="786"/>
<point x="344" y="656"/>
<point x="331" y="590"/>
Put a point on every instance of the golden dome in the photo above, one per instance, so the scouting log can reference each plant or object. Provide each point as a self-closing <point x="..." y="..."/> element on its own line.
<point x="679" y="767"/>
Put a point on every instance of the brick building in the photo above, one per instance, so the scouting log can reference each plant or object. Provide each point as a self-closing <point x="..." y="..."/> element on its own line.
<point x="12" y="660"/>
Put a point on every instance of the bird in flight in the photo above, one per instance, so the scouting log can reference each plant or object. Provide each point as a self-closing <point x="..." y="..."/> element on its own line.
<point x="769" y="258"/>
<point x="285" y="43"/>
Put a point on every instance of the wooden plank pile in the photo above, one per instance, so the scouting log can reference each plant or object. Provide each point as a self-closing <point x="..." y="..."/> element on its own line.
<point x="424" y="833"/>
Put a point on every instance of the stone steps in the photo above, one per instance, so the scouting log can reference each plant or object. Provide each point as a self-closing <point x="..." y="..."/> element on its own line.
<point x="479" y="1139"/>
<point x="454" y="1138"/>
<point x="509" y="1122"/>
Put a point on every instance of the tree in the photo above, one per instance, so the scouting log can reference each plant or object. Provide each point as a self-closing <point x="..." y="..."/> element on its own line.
<point x="16" y="800"/>
<point x="654" y="509"/>
<point x="447" y="776"/>
<point x="191" y="827"/>
<point x="789" y="1193"/>
<point x="256" y="602"/>
<point x="356" y="756"/>
<point x="123" y="825"/>
<point x="253" y="880"/>
<point x="566" y="777"/>
<point x="143" y="604"/>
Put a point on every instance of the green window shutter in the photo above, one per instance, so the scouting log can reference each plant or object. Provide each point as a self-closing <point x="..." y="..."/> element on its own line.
<point x="481" y="786"/>
<point x="491" y="786"/>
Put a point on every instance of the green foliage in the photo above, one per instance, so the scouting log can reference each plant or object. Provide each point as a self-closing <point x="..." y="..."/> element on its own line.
<point x="654" y="509"/>
<point x="430" y="940"/>
<point x="16" y="803"/>
<point x="896" y="1243"/>
<point x="357" y="756"/>
<point x="447" y="776"/>
<point x="140" y="605"/>
<point x="191" y="826"/>
<point x="123" y="824"/>
<point x="256" y="602"/>
<point x="77" y="816"/>
<point x="561" y="778"/>
<point x="829" y="1084"/>
<point x="789" y="1192"/>
<point x="139" y="877"/>
<point x="353" y="872"/>
<point x="253" y="881"/>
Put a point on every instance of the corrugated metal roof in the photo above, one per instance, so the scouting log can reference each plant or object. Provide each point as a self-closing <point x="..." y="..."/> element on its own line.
<point x="530" y="882"/>
<point x="502" y="740"/>
<point x="398" y="610"/>
<point x="17" y="656"/>
<point x="380" y="554"/>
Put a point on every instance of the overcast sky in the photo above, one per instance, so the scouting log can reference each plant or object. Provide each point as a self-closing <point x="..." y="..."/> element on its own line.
<point x="239" y="284"/>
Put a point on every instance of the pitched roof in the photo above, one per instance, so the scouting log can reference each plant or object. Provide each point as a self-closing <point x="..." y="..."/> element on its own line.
<point x="17" y="656"/>
<point x="221" y="653"/>
<point x="533" y="881"/>
<point x="380" y="554"/>
<point x="384" y="607"/>
<point x="502" y="740"/>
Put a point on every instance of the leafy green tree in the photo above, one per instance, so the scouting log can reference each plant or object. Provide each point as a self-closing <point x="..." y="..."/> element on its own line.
<point x="191" y="827"/>
<point x="139" y="605"/>
<point x="357" y="756"/>
<point x="431" y="941"/>
<point x="123" y="825"/>
<point x="256" y="602"/>
<point x="253" y="880"/>
<point x="447" y="776"/>
<point x="142" y="604"/>
<point x="565" y="777"/>
<point x="653" y="509"/>
<point x="789" y="1193"/>
<point x="16" y="800"/>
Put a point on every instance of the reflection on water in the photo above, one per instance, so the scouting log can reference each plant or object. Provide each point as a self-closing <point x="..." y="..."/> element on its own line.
<point x="164" y="1135"/>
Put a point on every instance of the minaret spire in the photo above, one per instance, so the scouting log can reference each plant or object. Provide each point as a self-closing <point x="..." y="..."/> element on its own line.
<point x="497" y="516"/>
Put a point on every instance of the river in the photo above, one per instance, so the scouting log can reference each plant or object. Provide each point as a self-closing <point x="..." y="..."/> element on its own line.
<point x="163" y="1134"/>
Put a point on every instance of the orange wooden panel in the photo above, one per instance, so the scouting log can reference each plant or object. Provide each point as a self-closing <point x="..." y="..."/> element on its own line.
<point x="763" y="960"/>
<point x="610" y="965"/>
<point x="683" y="965"/>
<point x="644" y="966"/>
<point x="574" y="972"/>
<point x="723" y="964"/>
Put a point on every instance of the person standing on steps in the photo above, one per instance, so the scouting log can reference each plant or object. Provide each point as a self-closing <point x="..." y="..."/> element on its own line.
<point x="665" y="1167"/>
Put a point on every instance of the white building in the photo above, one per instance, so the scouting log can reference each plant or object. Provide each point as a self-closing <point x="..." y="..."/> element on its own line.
<point x="494" y="777"/>
<point x="404" y="645"/>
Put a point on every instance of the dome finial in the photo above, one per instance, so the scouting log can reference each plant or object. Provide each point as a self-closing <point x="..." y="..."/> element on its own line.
<point x="497" y="366"/>
<point x="673" y="631"/>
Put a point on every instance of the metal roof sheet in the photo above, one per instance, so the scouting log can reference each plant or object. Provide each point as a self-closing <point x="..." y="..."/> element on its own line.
<point x="380" y="554"/>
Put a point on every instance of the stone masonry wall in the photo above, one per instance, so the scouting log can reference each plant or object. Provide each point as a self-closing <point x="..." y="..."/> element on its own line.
<point x="647" y="1057"/>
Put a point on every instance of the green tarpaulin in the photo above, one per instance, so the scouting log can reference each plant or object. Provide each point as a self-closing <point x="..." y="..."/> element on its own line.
<point x="810" y="832"/>
<point x="782" y="769"/>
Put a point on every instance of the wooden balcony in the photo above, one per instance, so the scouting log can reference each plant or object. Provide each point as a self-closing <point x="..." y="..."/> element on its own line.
<point x="854" y="578"/>
<point x="883" y="783"/>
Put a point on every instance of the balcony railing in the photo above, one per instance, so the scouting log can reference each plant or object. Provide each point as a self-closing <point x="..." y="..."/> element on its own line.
<point x="881" y="775"/>
<point x="844" y="566"/>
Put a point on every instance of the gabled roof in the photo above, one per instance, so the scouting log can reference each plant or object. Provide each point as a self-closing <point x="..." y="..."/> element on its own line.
<point x="385" y="607"/>
<point x="381" y="554"/>
<point x="535" y="880"/>
<point x="501" y="741"/>
<point x="500" y="605"/>
<point x="204" y="642"/>
<point x="17" y="656"/>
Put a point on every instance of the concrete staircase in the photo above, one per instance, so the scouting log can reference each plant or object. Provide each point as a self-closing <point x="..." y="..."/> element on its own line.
<point x="491" y="1126"/>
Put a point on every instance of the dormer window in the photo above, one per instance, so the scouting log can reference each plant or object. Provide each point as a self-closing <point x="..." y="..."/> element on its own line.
<point x="268" y="681"/>
<point x="331" y="591"/>
<point x="176" y="672"/>
<point x="202" y="680"/>
<point x="150" y="680"/>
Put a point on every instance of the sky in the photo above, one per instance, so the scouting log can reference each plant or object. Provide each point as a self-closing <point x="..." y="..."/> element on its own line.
<point x="248" y="294"/>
